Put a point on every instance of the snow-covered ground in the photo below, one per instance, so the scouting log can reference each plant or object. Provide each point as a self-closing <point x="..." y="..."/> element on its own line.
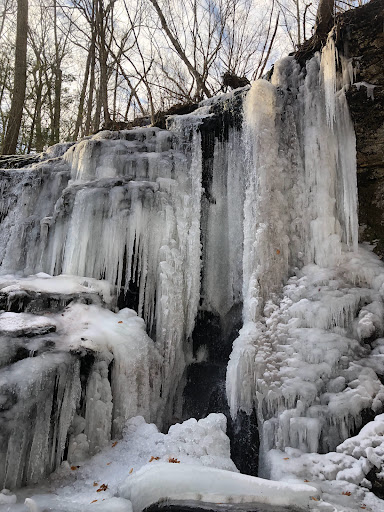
<point x="192" y="463"/>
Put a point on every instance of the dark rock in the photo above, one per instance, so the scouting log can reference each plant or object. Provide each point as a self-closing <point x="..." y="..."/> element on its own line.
<point x="233" y="81"/>
<point x="18" y="161"/>
<point x="361" y="35"/>
<point x="178" y="109"/>
<point x="31" y="301"/>
<point x="377" y="483"/>
<point x="198" y="506"/>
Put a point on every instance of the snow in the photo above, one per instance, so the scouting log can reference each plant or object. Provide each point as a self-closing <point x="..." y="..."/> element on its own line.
<point x="7" y="498"/>
<point x="24" y="324"/>
<point x="189" y="482"/>
<point x="340" y="475"/>
<point x="43" y="283"/>
<point x="202" y="444"/>
<point x="370" y="88"/>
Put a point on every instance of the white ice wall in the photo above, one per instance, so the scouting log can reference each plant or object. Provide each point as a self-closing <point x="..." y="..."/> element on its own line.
<point x="300" y="357"/>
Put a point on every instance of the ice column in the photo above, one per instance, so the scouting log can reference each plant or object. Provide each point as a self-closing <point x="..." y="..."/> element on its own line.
<point x="300" y="209"/>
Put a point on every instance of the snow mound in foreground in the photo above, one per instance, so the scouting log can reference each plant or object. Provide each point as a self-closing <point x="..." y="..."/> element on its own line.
<point x="190" y="482"/>
<point x="94" y="484"/>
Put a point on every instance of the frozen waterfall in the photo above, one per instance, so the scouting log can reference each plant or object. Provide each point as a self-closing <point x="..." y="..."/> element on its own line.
<point x="111" y="248"/>
<point x="302" y="359"/>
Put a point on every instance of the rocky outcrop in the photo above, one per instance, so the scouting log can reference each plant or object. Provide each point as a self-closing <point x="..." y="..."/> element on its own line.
<point x="361" y="37"/>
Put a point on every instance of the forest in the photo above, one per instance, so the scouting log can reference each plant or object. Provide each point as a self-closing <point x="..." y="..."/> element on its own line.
<point x="75" y="66"/>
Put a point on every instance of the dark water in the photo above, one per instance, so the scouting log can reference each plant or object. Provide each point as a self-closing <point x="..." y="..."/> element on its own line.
<point x="195" y="506"/>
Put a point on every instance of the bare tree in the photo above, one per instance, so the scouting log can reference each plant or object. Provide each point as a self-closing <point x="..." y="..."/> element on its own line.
<point x="20" y="80"/>
<point x="201" y="86"/>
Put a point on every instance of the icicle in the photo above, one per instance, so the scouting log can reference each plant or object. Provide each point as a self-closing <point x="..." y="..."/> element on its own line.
<point x="329" y="57"/>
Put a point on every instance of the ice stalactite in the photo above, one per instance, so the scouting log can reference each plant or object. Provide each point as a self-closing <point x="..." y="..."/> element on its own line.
<point x="223" y="236"/>
<point x="28" y="196"/>
<point x="39" y="399"/>
<point x="132" y="214"/>
<point x="301" y="358"/>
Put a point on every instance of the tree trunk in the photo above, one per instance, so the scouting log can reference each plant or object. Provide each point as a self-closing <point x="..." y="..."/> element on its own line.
<point x="103" y="56"/>
<point x="20" y="80"/>
<point x="80" y="111"/>
<point x="324" y="18"/>
<point x="96" y="119"/>
<point x="55" y="133"/>
<point x="39" y="136"/>
<point x="324" y="23"/>
<point x="92" y="51"/>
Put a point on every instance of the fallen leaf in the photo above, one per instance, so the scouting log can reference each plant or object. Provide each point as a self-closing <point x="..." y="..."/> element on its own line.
<point x="131" y="471"/>
<point x="175" y="461"/>
<point x="306" y="480"/>
<point x="363" y="506"/>
<point x="120" y="322"/>
<point x="74" y="468"/>
<point x="153" y="458"/>
<point x="277" y="251"/>
<point x="286" y="458"/>
<point x="95" y="484"/>
<point x="314" y="499"/>
<point x="114" y="444"/>
<point x="108" y="463"/>
<point x="103" y="487"/>
<point x="94" y="501"/>
<point x="347" y="493"/>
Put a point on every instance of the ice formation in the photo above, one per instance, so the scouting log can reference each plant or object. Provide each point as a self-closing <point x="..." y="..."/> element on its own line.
<point x="89" y="221"/>
<point x="198" y="218"/>
<point x="93" y="484"/>
<point x="45" y="406"/>
<point x="211" y="485"/>
<point x="303" y="359"/>
<point x="340" y="476"/>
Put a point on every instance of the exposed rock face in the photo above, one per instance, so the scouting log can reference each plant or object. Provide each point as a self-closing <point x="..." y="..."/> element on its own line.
<point x="362" y="37"/>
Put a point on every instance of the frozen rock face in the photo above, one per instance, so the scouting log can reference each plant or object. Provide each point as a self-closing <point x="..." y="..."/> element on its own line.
<point x="130" y="214"/>
<point x="118" y="210"/>
<point x="118" y="218"/>
<point x="69" y="379"/>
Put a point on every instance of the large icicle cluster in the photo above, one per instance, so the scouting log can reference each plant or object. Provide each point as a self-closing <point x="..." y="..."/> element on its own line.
<point x="115" y="211"/>
<point x="302" y="359"/>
